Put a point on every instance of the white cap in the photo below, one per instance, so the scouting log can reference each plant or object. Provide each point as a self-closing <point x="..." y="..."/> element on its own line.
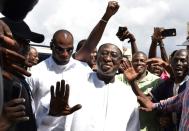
<point x="115" y="42"/>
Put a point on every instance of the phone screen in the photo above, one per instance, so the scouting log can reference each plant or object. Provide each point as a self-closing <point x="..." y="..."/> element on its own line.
<point x="168" y="32"/>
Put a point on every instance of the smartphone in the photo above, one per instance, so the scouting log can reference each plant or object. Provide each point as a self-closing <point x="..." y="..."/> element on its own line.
<point x="121" y="30"/>
<point x="16" y="90"/>
<point x="168" y="32"/>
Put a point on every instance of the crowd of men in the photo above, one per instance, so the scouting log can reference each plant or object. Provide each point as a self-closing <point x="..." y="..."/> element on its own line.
<point x="90" y="89"/>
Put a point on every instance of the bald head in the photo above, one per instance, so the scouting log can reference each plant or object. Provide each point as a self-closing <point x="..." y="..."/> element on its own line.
<point x="62" y="46"/>
<point x="63" y="33"/>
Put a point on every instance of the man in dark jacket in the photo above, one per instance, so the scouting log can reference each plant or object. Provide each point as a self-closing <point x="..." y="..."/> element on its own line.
<point x="17" y="109"/>
<point x="173" y="86"/>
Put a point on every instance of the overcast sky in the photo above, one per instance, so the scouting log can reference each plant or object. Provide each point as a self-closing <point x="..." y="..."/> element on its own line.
<point x="140" y="16"/>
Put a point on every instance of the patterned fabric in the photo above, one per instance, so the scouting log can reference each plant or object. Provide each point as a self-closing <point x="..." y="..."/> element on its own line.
<point x="178" y="103"/>
<point x="164" y="91"/>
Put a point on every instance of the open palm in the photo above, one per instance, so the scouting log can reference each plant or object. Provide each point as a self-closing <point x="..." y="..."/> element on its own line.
<point x="128" y="70"/>
<point x="59" y="100"/>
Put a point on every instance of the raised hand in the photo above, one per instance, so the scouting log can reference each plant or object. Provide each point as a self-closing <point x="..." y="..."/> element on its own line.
<point x="157" y="37"/>
<point x="123" y="34"/>
<point x="111" y="9"/>
<point x="59" y="100"/>
<point x="158" y="61"/>
<point x="128" y="70"/>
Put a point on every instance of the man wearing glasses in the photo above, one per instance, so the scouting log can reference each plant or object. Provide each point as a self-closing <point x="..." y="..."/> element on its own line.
<point x="60" y="65"/>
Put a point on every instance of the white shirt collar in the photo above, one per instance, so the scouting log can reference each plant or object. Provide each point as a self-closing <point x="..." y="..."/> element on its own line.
<point x="52" y="64"/>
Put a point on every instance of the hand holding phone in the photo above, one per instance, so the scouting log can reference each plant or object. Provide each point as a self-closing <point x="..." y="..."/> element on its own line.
<point x="120" y="31"/>
<point x="123" y="33"/>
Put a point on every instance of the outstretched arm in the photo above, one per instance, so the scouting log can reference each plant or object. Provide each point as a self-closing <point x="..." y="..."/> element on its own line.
<point x="160" y="62"/>
<point x="157" y="38"/>
<point x="96" y="34"/>
<point x="171" y="104"/>
<point x="130" y="74"/>
<point x="163" y="52"/>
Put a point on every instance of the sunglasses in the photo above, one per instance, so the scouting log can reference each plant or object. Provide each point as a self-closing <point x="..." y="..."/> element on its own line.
<point x="60" y="49"/>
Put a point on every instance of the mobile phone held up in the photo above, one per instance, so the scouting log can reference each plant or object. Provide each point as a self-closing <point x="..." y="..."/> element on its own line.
<point x="121" y="30"/>
<point x="168" y="32"/>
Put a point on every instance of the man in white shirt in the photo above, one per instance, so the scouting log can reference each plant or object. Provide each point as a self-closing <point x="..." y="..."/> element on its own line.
<point x="107" y="103"/>
<point x="60" y="65"/>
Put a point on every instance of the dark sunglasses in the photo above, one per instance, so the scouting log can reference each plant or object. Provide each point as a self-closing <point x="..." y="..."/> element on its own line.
<point x="60" y="49"/>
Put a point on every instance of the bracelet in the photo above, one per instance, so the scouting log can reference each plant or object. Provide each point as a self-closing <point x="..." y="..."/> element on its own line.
<point x="104" y="21"/>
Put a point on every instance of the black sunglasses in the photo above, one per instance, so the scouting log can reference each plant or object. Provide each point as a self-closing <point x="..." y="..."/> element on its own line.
<point x="60" y="49"/>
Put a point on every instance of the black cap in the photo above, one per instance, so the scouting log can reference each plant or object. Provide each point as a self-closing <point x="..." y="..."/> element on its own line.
<point x="21" y="30"/>
<point x="17" y="9"/>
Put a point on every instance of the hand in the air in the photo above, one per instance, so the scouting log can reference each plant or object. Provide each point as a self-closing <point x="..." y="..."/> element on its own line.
<point x="128" y="70"/>
<point x="111" y="9"/>
<point x="59" y="105"/>
<point x="123" y="34"/>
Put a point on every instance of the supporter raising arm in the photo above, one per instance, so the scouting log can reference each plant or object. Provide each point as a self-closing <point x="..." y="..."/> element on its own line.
<point x="131" y="75"/>
<point x="96" y="34"/>
<point x="157" y="39"/>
